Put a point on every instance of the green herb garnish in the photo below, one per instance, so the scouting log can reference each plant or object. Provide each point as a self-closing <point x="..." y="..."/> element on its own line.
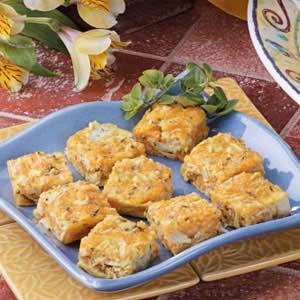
<point x="154" y="87"/>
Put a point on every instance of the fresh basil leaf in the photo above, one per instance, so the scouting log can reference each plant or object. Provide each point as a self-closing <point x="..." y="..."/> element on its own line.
<point x="208" y="70"/>
<point x="136" y="91"/>
<point x="213" y="100"/>
<point x="151" y="78"/>
<point x="229" y="107"/>
<point x="218" y="91"/>
<point x="21" y="51"/>
<point x="149" y="95"/>
<point x="198" y="98"/>
<point x="166" y="99"/>
<point x="184" y="101"/>
<point x="210" y="109"/>
<point x="168" y="81"/>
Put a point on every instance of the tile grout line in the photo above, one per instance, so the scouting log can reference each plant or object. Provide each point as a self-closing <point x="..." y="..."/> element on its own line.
<point x="170" y="57"/>
<point x="141" y="54"/>
<point x="290" y="124"/>
<point x="16" y="116"/>
<point x="227" y="70"/>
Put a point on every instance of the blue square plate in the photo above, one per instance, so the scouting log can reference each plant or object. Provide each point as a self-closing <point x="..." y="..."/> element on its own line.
<point x="50" y="134"/>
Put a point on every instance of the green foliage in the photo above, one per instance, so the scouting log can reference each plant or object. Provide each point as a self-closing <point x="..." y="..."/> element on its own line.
<point x="21" y="51"/>
<point x="157" y="88"/>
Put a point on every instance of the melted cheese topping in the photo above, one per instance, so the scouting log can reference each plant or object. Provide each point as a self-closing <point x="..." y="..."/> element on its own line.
<point x="171" y="131"/>
<point x="71" y="210"/>
<point x="248" y="198"/>
<point x="117" y="247"/>
<point x="35" y="173"/>
<point x="218" y="158"/>
<point x="135" y="183"/>
<point x="184" y="221"/>
<point x="94" y="150"/>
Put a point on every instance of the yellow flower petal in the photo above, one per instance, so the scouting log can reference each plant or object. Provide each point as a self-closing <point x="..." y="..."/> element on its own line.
<point x="116" y="6"/>
<point x="5" y="27"/>
<point x="81" y="68"/>
<point x="98" y="17"/>
<point x="95" y="3"/>
<point x="98" y="63"/>
<point x="93" y="42"/>
<point x="12" y="77"/>
<point x="43" y="5"/>
<point x="8" y="11"/>
<point x="11" y="22"/>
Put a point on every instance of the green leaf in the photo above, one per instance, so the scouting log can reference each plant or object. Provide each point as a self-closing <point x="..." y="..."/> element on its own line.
<point x="21" y="51"/>
<point x="218" y="91"/>
<point x="229" y="107"/>
<point x="210" y="109"/>
<point x="208" y="70"/>
<point x="151" y="78"/>
<point x="213" y="100"/>
<point x="149" y="95"/>
<point x="45" y="35"/>
<point x="136" y="91"/>
<point x="185" y="101"/>
<point x="166" y="99"/>
<point x="168" y="81"/>
<point x="53" y="24"/>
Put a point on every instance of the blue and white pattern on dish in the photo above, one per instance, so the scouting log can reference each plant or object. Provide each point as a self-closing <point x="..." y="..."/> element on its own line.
<point x="50" y="134"/>
<point x="275" y="33"/>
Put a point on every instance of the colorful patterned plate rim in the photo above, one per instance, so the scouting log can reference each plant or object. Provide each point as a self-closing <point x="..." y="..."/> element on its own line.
<point x="274" y="30"/>
<point x="281" y="164"/>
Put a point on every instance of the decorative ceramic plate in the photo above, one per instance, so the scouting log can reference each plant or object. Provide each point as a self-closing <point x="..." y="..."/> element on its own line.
<point x="274" y="27"/>
<point x="282" y="168"/>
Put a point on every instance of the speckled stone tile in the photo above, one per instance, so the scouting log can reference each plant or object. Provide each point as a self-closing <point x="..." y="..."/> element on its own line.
<point x="6" y="122"/>
<point x="292" y="265"/>
<point x="5" y="292"/>
<point x="291" y="133"/>
<point x="44" y="95"/>
<point x="223" y="41"/>
<point x="156" y="39"/>
<point x="276" y="106"/>
<point x="261" y="285"/>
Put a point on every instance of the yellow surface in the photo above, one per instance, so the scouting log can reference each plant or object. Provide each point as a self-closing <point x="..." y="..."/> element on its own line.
<point x="249" y="255"/>
<point x="237" y="8"/>
<point x="23" y="263"/>
<point x="33" y="275"/>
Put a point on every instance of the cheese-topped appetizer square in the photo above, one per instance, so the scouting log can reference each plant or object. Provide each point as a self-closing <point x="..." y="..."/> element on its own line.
<point x="249" y="198"/>
<point x="94" y="150"/>
<point x="35" y="173"/>
<point x="184" y="221"/>
<point x="171" y="130"/>
<point x="218" y="158"/>
<point x="136" y="183"/>
<point x="70" y="211"/>
<point x="117" y="247"/>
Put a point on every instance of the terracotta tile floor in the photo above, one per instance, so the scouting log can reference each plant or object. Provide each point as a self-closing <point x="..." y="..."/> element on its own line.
<point x="201" y="34"/>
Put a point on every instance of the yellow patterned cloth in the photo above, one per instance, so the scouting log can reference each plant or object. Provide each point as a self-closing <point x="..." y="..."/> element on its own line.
<point x="237" y="8"/>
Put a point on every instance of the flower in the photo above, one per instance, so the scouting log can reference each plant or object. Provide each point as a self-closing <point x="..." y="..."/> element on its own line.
<point x="100" y="13"/>
<point x="43" y="5"/>
<point x="97" y="13"/>
<point x="12" y="77"/>
<point x="91" y="52"/>
<point x="11" y="23"/>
